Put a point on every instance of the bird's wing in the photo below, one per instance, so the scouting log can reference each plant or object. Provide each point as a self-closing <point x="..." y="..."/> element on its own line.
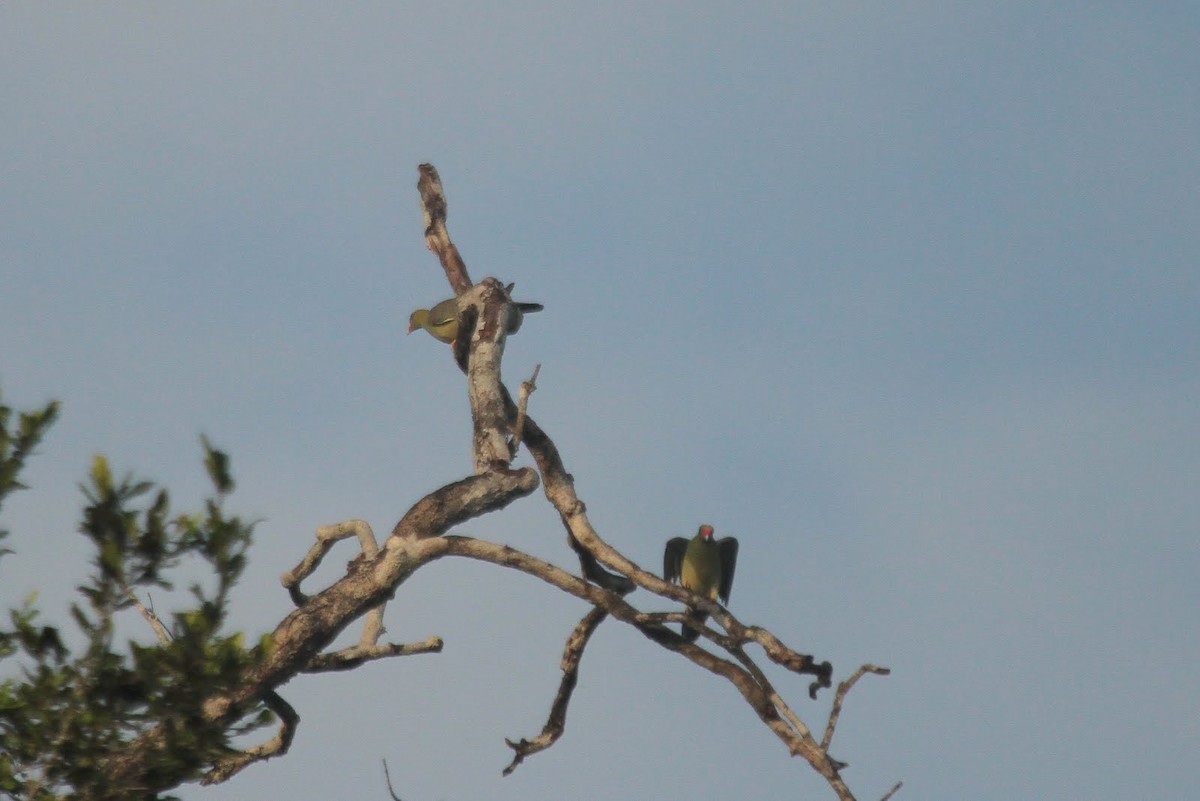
<point x="444" y="312"/>
<point x="673" y="558"/>
<point x="727" y="548"/>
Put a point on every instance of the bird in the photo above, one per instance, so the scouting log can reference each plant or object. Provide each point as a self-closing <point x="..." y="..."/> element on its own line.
<point x="442" y="320"/>
<point x="703" y="565"/>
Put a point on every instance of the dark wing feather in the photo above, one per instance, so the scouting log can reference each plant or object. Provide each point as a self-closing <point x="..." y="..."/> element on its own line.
<point x="673" y="558"/>
<point x="727" y="548"/>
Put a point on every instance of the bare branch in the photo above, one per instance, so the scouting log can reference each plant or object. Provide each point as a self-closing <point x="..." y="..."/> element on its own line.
<point x="276" y="746"/>
<point x="895" y="789"/>
<point x="367" y="648"/>
<point x="649" y="624"/>
<point x="387" y="777"/>
<point x="495" y="315"/>
<point x="557" y="721"/>
<point x="840" y="696"/>
<point x="518" y="429"/>
<point x="755" y="671"/>
<point x="352" y="657"/>
<point x="327" y="537"/>
<point x="437" y="237"/>
<point x="560" y="491"/>
<point x="303" y="633"/>
<point x="785" y="657"/>
<point x="455" y="503"/>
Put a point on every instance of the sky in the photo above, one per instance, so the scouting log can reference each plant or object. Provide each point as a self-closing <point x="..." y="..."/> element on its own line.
<point x="904" y="296"/>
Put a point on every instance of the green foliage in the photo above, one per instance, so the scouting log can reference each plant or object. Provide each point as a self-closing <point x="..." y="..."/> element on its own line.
<point x="16" y="445"/>
<point x="66" y="712"/>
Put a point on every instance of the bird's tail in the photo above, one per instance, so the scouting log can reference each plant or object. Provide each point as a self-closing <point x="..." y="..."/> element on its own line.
<point x="690" y="630"/>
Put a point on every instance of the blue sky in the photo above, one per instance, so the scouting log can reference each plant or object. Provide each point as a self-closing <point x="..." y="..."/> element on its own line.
<point x="905" y="296"/>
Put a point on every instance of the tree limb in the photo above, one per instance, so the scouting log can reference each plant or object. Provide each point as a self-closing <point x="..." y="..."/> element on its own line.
<point x="367" y="648"/>
<point x="276" y="746"/>
<point x="518" y="429"/>
<point x="840" y="696"/>
<point x="387" y="777"/>
<point x="437" y="237"/>
<point x="327" y="537"/>
<point x="352" y="657"/>
<point x="557" y="721"/>
<point x="303" y="633"/>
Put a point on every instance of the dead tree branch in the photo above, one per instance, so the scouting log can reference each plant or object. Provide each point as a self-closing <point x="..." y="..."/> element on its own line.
<point x="276" y="746"/>
<point x="352" y="657"/>
<point x="437" y="237"/>
<point x="387" y="777"/>
<point x="556" y="723"/>
<point x="840" y="696"/>
<point x="518" y="429"/>
<point x="367" y="648"/>
<point x="595" y="555"/>
<point x="486" y="316"/>
<point x="327" y="537"/>
<point x="307" y="630"/>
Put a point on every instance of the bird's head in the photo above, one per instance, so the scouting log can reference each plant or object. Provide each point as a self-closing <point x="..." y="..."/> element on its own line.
<point x="706" y="532"/>
<point x="417" y="319"/>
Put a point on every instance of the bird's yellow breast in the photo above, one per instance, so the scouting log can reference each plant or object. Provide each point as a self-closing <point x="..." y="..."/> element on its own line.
<point x="701" y="568"/>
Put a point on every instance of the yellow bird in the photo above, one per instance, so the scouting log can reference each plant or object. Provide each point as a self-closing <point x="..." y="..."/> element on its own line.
<point x="442" y="320"/>
<point x="703" y="565"/>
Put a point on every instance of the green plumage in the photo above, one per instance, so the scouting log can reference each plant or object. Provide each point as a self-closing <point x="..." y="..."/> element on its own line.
<point x="442" y="320"/>
<point x="703" y="565"/>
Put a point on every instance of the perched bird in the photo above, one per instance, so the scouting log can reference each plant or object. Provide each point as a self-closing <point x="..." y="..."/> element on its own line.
<point x="704" y="566"/>
<point x="442" y="320"/>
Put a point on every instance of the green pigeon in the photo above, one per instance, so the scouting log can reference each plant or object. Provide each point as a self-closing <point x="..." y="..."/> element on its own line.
<point x="704" y="566"/>
<point x="442" y="320"/>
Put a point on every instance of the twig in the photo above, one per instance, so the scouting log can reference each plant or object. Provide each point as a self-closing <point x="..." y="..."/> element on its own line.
<point x="895" y="788"/>
<point x="557" y="721"/>
<point x="527" y="388"/>
<point x="388" y="778"/>
<point x="352" y="657"/>
<point x="160" y="630"/>
<point x="840" y="696"/>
